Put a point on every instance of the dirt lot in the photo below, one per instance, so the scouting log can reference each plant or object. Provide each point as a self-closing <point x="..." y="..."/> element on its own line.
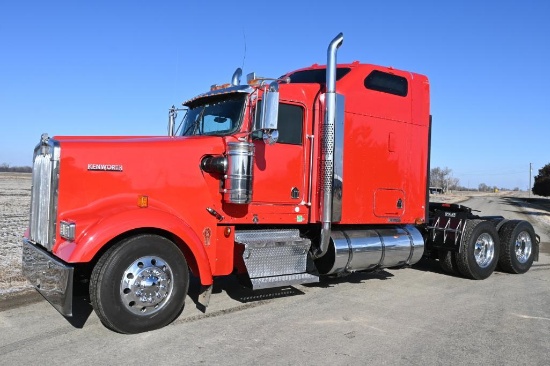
<point x="15" y="192"/>
<point x="14" y="215"/>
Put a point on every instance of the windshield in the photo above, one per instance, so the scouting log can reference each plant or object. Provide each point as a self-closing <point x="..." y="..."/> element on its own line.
<point x="217" y="115"/>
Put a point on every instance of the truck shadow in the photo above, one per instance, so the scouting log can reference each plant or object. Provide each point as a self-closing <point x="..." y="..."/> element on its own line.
<point x="428" y="265"/>
<point x="238" y="292"/>
<point x="356" y="277"/>
<point x="82" y="308"/>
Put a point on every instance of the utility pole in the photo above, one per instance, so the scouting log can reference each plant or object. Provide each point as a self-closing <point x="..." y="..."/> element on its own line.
<point x="530" y="170"/>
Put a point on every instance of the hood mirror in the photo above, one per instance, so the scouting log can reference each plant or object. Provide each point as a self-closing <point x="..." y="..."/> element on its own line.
<point x="270" y="136"/>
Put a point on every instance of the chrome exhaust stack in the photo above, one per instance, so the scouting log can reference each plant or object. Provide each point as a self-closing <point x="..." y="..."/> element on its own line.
<point x="236" y="78"/>
<point x="327" y="147"/>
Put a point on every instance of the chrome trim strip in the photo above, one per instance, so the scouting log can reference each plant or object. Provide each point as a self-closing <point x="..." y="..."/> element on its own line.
<point x="49" y="276"/>
<point x="311" y="139"/>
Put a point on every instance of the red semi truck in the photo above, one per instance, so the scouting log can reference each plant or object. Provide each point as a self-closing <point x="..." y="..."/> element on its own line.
<point x="322" y="172"/>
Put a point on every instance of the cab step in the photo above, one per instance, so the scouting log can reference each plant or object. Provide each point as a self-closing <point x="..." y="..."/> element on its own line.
<point x="276" y="258"/>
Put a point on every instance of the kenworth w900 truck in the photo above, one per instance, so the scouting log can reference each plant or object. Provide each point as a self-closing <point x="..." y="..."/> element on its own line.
<point x="321" y="172"/>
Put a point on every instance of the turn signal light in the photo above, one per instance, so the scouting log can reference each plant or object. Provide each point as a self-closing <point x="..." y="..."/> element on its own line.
<point x="143" y="201"/>
<point x="67" y="230"/>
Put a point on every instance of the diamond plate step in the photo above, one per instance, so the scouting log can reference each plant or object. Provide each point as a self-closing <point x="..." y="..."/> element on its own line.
<point x="285" y="280"/>
<point x="275" y="258"/>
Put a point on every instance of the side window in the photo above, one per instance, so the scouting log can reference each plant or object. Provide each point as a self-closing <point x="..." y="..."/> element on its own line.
<point x="290" y="124"/>
<point x="387" y="83"/>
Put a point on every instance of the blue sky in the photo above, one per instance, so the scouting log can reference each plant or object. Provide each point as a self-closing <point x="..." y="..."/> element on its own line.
<point x="115" y="67"/>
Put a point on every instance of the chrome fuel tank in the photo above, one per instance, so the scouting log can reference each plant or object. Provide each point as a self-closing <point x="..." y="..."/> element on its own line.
<point x="373" y="248"/>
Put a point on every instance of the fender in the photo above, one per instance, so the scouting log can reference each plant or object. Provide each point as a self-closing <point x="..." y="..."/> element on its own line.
<point x="100" y="233"/>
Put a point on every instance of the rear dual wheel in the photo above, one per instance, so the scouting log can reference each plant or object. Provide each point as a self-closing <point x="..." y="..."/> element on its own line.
<point x="518" y="246"/>
<point x="513" y="248"/>
<point x="447" y="261"/>
<point x="479" y="251"/>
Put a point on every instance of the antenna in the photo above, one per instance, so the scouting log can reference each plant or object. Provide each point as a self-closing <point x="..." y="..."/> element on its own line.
<point x="244" y="56"/>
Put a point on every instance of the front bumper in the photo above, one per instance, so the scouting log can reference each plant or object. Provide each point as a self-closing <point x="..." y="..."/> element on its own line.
<point x="50" y="276"/>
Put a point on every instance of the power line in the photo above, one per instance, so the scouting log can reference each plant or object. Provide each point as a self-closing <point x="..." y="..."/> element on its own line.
<point x="485" y="173"/>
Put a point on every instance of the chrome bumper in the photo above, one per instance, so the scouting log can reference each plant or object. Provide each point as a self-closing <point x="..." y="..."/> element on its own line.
<point x="50" y="276"/>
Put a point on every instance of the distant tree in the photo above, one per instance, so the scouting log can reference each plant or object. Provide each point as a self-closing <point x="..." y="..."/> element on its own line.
<point x="483" y="187"/>
<point x="5" y="167"/>
<point x="442" y="177"/>
<point x="542" y="182"/>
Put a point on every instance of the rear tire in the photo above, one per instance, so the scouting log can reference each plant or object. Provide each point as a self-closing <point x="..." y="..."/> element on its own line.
<point x="140" y="284"/>
<point x="518" y="242"/>
<point x="447" y="261"/>
<point x="479" y="250"/>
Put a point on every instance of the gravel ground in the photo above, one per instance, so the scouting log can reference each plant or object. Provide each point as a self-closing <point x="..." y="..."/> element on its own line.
<point x="15" y="191"/>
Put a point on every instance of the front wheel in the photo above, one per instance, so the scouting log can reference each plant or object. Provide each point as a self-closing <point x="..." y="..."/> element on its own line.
<point x="479" y="250"/>
<point x="518" y="246"/>
<point x="140" y="284"/>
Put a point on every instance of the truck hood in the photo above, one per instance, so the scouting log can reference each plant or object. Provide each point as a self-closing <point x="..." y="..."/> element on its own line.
<point x="100" y="174"/>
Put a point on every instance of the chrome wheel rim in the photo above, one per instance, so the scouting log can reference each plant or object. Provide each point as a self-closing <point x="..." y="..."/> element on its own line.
<point x="484" y="250"/>
<point x="523" y="247"/>
<point x="146" y="285"/>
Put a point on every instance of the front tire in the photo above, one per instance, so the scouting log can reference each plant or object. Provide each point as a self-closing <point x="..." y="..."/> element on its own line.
<point x="479" y="250"/>
<point x="518" y="246"/>
<point x="139" y="284"/>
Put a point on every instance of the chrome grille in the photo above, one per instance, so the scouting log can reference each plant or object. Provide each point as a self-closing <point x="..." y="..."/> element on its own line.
<point x="43" y="213"/>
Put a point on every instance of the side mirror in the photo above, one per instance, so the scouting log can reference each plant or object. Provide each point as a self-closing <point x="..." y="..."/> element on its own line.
<point x="269" y="113"/>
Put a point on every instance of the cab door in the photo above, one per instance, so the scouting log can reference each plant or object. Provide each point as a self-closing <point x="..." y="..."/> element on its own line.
<point x="279" y="169"/>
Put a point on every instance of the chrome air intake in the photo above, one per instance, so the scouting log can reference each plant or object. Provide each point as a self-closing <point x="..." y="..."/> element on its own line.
<point x="370" y="249"/>
<point x="240" y="167"/>
<point x="45" y="178"/>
